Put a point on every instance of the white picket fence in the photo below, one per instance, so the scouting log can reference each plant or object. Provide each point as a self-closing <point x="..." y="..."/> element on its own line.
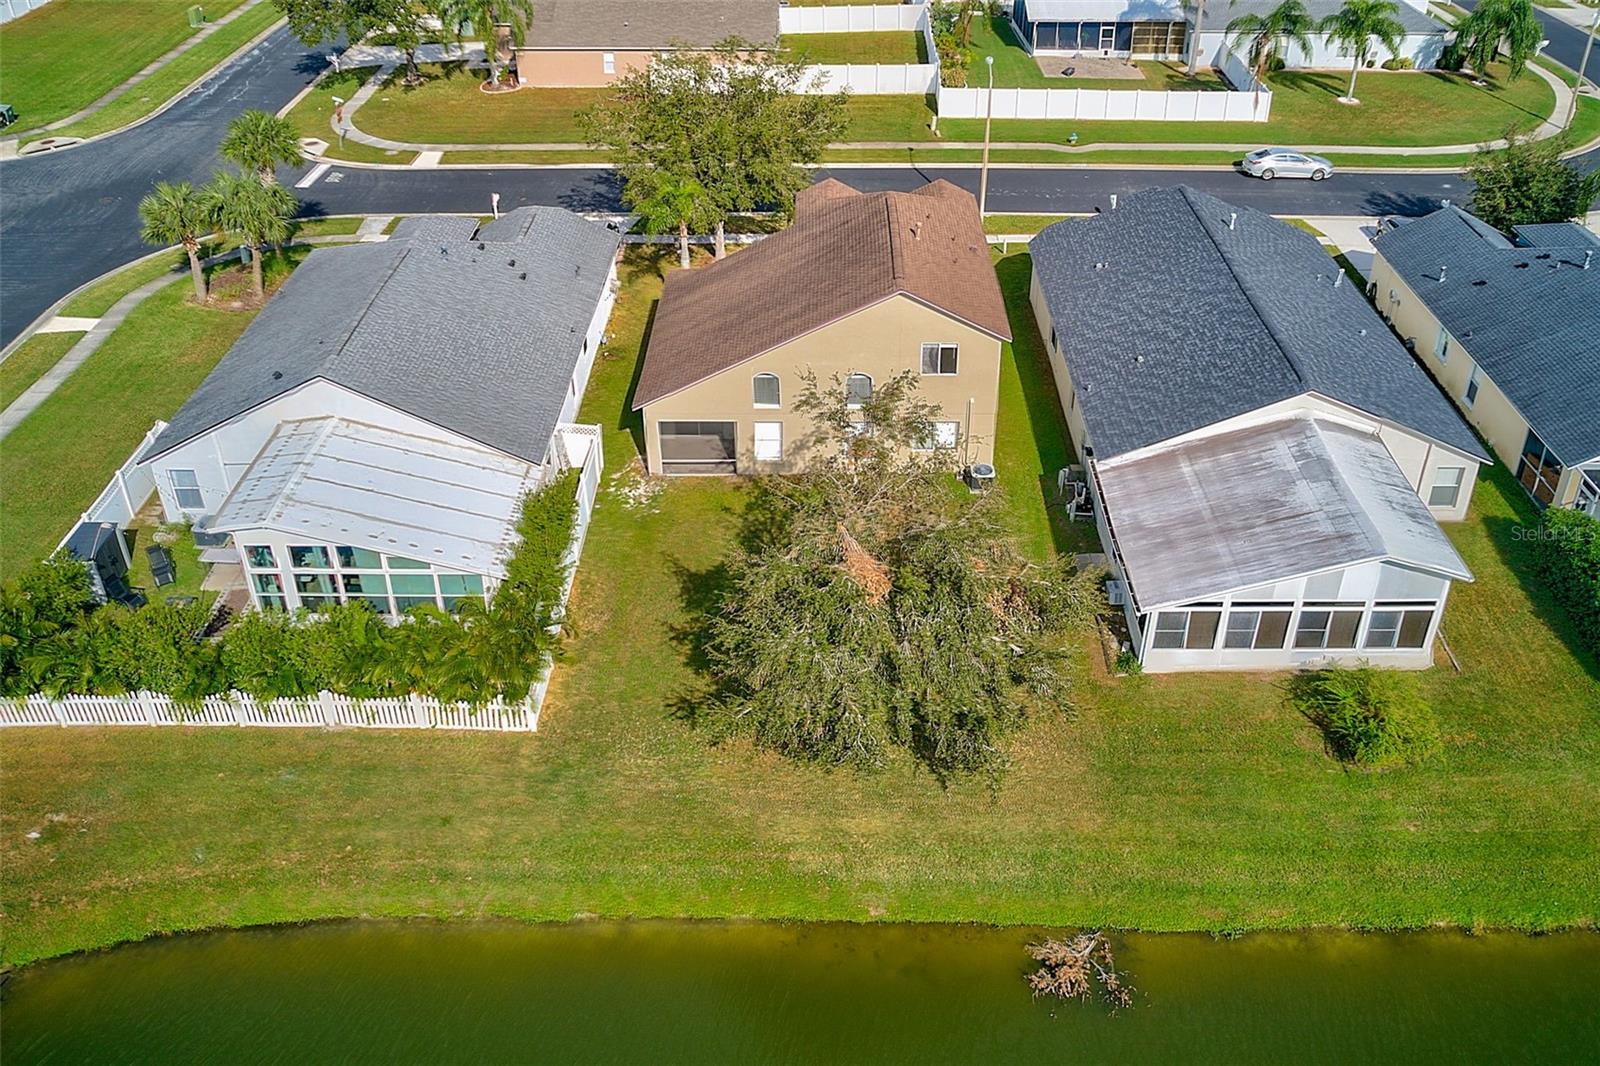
<point x="1108" y="104"/>
<point x="862" y="18"/>
<point x="326" y="709"/>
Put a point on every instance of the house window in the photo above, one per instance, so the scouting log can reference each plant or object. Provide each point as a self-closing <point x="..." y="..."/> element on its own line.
<point x="765" y="390"/>
<point x="1320" y="628"/>
<point x="608" y="62"/>
<point x="769" y="441"/>
<point x="455" y="589"/>
<point x="944" y="436"/>
<point x="316" y="591"/>
<point x="1390" y="628"/>
<point x="400" y="562"/>
<point x="186" y="489"/>
<point x="371" y="589"/>
<point x="358" y="559"/>
<point x="413" y="590"/>
<point x="857" y="389"/>
<point x="938" y="358"/>
<point x="269" y="592"/>
<point x="1441" y="345"/>
<point x="1190" y="630"/>
<point x="1471" y="396"/>
<point x="1258" y="629"/>
<point x="1446" y="490"/>
<point x="260" y="557"/>
<point x="309" y="557"/>
<point x="1539" y="470"/>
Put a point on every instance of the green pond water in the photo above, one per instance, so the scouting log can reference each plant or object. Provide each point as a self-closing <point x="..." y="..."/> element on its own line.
<point x="657" y="992"/>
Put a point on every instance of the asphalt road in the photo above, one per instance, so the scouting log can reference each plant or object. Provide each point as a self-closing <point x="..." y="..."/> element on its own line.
<point x="66" y="218"/>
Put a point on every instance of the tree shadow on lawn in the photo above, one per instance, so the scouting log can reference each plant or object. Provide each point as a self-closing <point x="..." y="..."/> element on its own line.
<point x="702" y="593"/>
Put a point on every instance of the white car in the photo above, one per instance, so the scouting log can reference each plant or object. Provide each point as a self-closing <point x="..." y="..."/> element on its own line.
<point x="1269" y="163"/>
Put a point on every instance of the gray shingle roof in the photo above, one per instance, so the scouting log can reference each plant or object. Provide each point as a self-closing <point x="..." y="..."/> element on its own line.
<point x="1556" y="235"/>
<point x="480" y="338"/>
<point x="649" y="23"/>
<point x="1529" y="316"/>
<point x="1171" y="320"/>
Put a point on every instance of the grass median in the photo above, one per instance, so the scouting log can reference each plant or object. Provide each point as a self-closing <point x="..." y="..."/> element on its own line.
<point x="1162" y="802"/>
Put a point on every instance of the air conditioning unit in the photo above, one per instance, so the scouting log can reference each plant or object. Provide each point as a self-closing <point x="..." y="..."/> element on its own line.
<point x="1116" y="593"/>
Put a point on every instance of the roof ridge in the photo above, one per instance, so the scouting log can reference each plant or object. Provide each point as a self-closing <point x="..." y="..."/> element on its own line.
<point x="897" y="262"/>
<point x="1295" y="367"/>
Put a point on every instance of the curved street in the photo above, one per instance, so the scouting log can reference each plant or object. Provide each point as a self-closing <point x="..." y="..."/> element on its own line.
<point x="68" y="217"/>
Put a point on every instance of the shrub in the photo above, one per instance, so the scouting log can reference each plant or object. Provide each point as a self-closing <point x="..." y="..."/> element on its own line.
<point x="1399" y="63"/>
<point x="1567" y="558"/>
<point x="1374" y="718"/>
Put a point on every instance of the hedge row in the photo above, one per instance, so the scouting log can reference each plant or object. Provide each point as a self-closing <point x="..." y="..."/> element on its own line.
<point x="1568" y="560"/>
<point x="54" y="640"/>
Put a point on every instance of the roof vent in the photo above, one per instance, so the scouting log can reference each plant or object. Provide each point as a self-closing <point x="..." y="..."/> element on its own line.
<point x="1441" y="272"/>
<point x="1523" y="265"/>
<point x="1113" y="201"/>
<point x="480" y="246"/>
<point x="1233" y="220"/>
<point x="1338" y="279"/>
<point x="277" y="375"/>
<point x="1480" y="283"/>
<point x="1362" y="331"/>
<point x="522" y="276"/>
<point x="1587" y="257"/>
<point x="1139" y="358"/>
<point x="511" y="262"/>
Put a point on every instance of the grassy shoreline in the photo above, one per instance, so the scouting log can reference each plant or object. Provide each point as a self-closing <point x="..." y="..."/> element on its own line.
<point x="1162" y="803"/>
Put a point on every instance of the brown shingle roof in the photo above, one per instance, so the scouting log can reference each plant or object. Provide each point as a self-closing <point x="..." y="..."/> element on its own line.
<point x="845" y="251"/>
<point x="649" y="24"/>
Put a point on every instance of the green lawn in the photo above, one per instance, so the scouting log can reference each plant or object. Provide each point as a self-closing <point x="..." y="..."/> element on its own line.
<point x="68" y="53"/>
<point x="314" y="112"/>
<point x="1171" y="802"/>
<point x="28" y="362"/>
<point x="900" y="46"/>
<point x="59" y="458"/>
<point x="448" y="108"/>
<point x="1000" y="223"/>
<point x="98" y="298"/>
<point x="176" y="76"/>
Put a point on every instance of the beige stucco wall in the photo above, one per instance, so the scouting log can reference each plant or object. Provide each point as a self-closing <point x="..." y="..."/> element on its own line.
<point x="1491" y="414"/>
<point x="1058" y="367"/>
<point x="882" y="340"/>
<point x="577" y="67"/>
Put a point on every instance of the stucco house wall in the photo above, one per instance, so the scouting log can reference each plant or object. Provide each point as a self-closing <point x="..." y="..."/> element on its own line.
<point x="576" y="68"/>
<point x="882" y="340"/>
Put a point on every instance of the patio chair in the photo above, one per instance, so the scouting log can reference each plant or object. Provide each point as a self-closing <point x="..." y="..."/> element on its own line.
<point x="162" y="569"/>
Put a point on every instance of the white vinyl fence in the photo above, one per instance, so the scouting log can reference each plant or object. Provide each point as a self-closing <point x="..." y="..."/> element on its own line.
<point x="860" y="18"/>
<point x="10" y="9"/>
<point x="322" y="710"/>
<point x="1108" y="104"/>
<point x="865" y="79"/>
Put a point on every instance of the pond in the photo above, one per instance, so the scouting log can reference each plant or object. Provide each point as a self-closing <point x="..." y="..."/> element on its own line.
<point x="755" y="993"/>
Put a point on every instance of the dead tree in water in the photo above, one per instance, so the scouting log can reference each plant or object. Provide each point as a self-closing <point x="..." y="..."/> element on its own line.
<point x="1078" y="969"/>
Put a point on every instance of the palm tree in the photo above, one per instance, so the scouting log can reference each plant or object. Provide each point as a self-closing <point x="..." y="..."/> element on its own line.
<point x="674" y="203"/>
<point x="178" y="214"/>
<point x="255" y="213"/>
<point x="1356" y="24"/>
<point x="487" y="16"/>
<point x="1263" y="35"/>
<point x="258" y="141"/>
<point x="1494" y="24"/>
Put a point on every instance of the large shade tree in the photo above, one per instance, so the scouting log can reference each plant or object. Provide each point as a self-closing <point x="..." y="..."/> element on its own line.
<point x="871" y="608"/>
<point x="1262" y="36"/>
<point x="178" y="214"/>
<point x="1496" y="25"/>
<point x="258" y="141"/>
<point x="1527" y="182"/>
<point x="1356" y="25"/>
<point x="407" y="22"/>
<point x="256" y="214"/>
<point x="727" y="119"/>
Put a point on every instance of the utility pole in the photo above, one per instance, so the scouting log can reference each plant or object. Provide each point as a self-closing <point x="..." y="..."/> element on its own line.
<point x="988" y="121"/>
<point x="1588" y="45"/>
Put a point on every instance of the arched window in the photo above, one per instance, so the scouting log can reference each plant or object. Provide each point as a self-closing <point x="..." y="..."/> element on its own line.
<point x="857" y="389"/>
<point x="766" y="390"/>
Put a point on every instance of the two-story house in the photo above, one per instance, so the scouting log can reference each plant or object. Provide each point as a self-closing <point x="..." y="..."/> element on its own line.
<point x="1267" y="465"/>
<point x="862" y="287"/>
<point x="1511" y="331"/>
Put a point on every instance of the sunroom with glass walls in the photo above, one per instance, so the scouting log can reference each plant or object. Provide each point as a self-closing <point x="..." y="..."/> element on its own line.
<point x="285" y="574"/>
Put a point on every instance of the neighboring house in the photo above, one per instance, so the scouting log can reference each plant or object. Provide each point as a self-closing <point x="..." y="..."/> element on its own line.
<point x="1161" y="29"/>
<point x="373" y="432"/>
<point x="1266" y="463"/>
<point x="862" y="286"/>
<point x="1512" y="334"/>
<point x="595" y="42"/>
